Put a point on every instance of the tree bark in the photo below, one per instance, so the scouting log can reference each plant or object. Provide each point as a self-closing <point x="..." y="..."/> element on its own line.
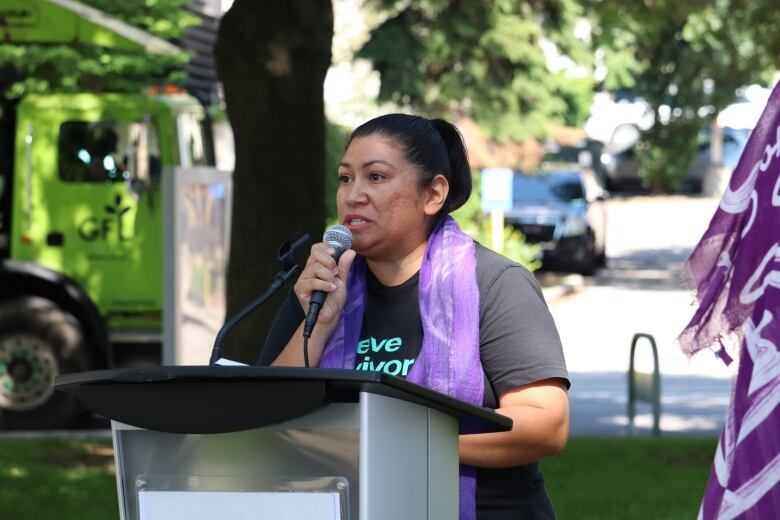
<point x="272" y="57"/>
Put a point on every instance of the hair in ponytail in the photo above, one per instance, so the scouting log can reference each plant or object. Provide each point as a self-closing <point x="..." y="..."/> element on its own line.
<point x="434" y="146"/>
<point x="460" y="178"/>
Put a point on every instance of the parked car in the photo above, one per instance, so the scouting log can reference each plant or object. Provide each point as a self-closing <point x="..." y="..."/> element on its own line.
<point x="734" y="142"/>
<point x="563" y="211"/>
<point x="622" y="168"/>
<point x="585" y="153"/>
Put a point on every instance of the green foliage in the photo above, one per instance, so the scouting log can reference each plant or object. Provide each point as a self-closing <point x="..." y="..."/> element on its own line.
<point x="65" y="68"/>
<point x="666" y="152"/>
<point x="691" y="56"/>
<point x="577" y="93"/>
<point x="165" y="19"/>
<point x="447" y="58"/>
<point x="477" y="224"/>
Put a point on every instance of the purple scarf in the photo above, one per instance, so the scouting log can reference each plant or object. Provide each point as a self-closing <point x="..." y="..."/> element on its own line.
<point x="735" y="271"/>
<point x="449" y="306"/>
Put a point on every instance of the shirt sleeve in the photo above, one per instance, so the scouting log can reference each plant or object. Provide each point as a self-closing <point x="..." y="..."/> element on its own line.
<point x="519" y="343"/>
<point x="286" y="322"/>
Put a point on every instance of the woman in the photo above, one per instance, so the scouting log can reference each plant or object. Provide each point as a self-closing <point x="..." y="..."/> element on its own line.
<point x="419" y="299"/>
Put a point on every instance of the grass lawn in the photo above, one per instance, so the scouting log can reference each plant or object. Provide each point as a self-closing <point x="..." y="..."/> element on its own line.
<point x="57" y="479"/>
<point x="595" y="478"/>
<point x="621" y="478"/>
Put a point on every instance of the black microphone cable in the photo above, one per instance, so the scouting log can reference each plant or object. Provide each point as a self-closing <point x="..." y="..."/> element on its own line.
<point x="289" y="272"/>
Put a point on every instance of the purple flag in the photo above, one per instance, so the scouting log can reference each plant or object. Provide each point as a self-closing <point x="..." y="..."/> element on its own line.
<point x="735" y="272"/>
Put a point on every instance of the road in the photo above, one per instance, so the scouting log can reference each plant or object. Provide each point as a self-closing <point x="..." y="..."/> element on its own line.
<point x="641" y="290"/>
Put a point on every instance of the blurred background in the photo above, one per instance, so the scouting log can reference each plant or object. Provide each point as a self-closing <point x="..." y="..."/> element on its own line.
<point x="155" y="153"/>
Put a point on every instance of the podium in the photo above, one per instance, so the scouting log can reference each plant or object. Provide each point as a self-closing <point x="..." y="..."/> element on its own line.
<point x="280" y="443"/>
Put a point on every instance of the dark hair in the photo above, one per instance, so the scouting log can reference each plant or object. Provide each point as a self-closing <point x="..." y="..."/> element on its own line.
<point x="434" y="146"/>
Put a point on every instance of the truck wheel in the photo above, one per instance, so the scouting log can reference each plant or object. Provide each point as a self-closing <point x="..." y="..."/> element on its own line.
<point x="588" y="266"/>
<point x="38" y="341"/>
<point x="601" y="259"/>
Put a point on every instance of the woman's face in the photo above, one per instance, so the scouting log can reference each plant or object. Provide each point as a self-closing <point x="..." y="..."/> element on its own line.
<point x="380" y="201"/>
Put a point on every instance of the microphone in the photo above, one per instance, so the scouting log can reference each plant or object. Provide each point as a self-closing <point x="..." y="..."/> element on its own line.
<point x="287" y="275"/>
<point x="340" y="239"/>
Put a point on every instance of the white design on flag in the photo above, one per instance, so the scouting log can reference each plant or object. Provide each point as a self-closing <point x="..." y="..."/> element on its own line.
<point x="724" y="261"/>
<point x="776" y="193"/>
<point x="766" y="358"/>
<point x="737" y="502"/>
<point x="753" y="212"/>
<point x="763" y="403"/>
<point x="771" y="151"/>
<point x="750" y="292"/>
<point x="724" y="455"/>
<point x="737" y="201"/>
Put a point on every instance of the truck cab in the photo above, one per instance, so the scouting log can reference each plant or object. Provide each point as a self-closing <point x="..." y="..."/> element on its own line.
<point x="81" y="238"/>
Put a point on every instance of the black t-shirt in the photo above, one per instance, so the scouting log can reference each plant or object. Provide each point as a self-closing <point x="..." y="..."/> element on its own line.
<point x="519" y="344"/>
<point x="392" y="332"/>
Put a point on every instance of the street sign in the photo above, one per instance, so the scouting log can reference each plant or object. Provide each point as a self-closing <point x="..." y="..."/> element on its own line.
<point x="496" y="189"/>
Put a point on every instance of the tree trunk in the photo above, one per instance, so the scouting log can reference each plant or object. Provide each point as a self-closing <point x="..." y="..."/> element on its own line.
<point x="272" y="57"/>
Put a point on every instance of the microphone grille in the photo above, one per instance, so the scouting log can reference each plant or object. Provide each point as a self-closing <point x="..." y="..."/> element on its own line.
<point x="339" y="237"/>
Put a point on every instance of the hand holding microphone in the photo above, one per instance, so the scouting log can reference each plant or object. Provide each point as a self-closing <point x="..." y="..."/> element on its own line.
<point x="323" y="282"/>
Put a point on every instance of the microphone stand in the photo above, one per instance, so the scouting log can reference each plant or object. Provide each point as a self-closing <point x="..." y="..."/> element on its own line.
<point x="289" y="272"/>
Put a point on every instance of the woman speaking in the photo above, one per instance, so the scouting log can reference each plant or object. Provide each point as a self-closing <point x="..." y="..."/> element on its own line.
<point x="417" y="298"/>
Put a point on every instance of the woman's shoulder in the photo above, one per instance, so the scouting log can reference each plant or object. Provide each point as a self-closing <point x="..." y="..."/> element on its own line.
<point x="493" y="267"/>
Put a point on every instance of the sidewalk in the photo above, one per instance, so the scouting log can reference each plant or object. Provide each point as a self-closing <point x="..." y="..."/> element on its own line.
<point x="690" y="405"/>
<point x="557" y="285"/>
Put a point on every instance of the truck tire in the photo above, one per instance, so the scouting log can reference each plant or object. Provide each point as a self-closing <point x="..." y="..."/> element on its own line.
<point x="38" y="341"/>
<point x="601" y="260"/>
<point x="588" y="266"/>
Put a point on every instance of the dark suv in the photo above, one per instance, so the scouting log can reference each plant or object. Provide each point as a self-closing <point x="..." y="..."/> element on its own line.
<point x="563" y="211"/>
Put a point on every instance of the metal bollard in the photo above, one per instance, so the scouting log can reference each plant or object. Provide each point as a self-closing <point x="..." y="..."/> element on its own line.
<point x="644" y="387"/>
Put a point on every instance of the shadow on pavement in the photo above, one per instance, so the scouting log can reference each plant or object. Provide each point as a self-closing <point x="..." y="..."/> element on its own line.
<point x="651" y="269"/>
<point x="690" y="405"/>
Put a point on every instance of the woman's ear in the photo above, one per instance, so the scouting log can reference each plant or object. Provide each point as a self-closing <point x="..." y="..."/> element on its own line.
<point x="436" y="194"/>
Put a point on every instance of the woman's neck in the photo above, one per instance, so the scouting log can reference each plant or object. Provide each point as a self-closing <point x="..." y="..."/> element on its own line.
<point x="397" y="271"/>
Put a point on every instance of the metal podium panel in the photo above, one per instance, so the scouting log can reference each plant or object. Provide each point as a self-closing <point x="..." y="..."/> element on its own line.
<point x="443" y="465"/>
<point x="324" y="444"/>
<point x="386" y="458"/>
<point x="408" y="461"/>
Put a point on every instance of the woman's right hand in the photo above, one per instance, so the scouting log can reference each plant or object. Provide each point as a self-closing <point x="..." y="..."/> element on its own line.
<point x="322" y="274"/>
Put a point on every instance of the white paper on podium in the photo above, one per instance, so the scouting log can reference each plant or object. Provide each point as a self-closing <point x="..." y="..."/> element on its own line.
<point x="225" y="362"/>
<point x="245" y="505"/>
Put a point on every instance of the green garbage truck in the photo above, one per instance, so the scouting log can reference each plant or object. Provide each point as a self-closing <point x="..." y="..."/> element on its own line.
<point x="81" y="222"/>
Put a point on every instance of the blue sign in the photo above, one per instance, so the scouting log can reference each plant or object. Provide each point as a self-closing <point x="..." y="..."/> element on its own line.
<point x="495" y="186"/>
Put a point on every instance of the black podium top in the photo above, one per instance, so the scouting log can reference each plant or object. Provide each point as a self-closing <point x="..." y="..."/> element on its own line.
<point x="219" y="399"/>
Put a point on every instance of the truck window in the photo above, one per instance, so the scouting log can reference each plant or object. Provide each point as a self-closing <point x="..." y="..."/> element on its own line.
<point x="108" y="152"/>
<point x="195" y="148"/>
